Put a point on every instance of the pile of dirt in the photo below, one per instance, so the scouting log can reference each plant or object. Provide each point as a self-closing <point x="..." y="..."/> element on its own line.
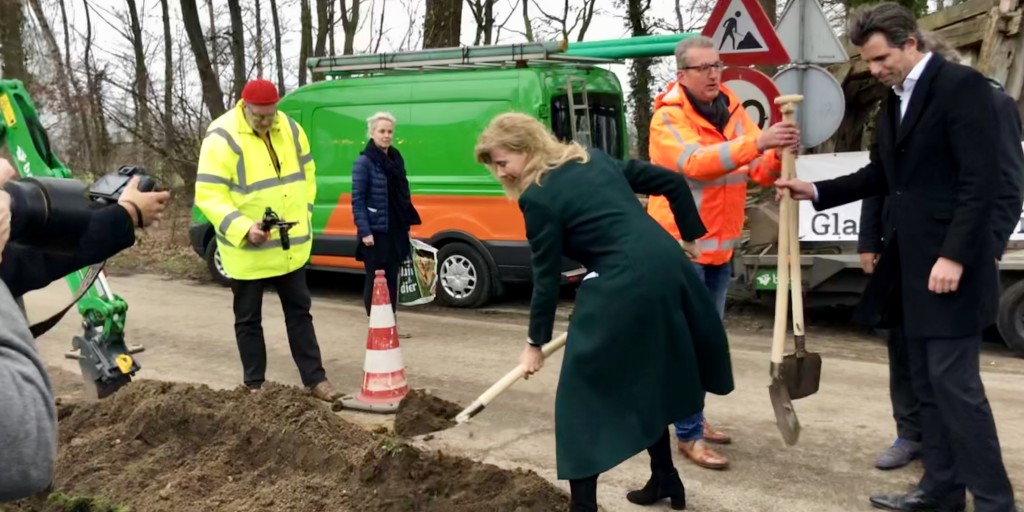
<point x="422" y="413"/>
<point x="157" y="446"/>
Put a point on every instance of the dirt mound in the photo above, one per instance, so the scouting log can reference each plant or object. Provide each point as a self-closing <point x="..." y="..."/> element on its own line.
<point x="157" y="446"/>
<point x="422" y="413"/>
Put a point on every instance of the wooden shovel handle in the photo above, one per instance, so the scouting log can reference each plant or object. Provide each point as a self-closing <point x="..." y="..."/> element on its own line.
<point x="795" y="271"/>
<point x="506" y="382"/>
<point x="781" y="288"/>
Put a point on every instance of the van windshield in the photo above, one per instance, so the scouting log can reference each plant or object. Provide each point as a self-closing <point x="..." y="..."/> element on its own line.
<point x="605" y="121"/>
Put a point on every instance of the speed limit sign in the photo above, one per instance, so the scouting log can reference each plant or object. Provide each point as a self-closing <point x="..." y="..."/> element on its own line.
<point x="757" y="93"/>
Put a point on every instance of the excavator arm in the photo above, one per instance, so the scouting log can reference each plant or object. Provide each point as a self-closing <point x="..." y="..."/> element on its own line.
<point x="105" y="361"/>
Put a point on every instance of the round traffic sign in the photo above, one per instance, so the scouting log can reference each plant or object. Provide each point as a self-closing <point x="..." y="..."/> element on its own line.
<point x="823" y="95"/>
<point x="757" y="93"/>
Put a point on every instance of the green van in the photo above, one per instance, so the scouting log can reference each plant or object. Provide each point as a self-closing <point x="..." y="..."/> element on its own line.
<point x="440" y="110"/>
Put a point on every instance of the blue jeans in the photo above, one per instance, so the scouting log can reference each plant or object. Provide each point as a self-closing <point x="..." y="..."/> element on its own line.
<point x="716" y="278"/>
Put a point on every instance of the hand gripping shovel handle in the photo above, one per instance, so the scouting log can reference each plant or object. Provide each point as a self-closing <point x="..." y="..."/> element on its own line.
<point x="506" y="382"/>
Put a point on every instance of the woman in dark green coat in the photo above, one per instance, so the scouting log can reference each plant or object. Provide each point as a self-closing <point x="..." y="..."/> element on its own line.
<point x="645" y="341"/>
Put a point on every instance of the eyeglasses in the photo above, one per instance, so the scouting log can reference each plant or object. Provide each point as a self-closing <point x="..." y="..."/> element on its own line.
<point x="260" y="117"/>
<point x="705" y="68"/>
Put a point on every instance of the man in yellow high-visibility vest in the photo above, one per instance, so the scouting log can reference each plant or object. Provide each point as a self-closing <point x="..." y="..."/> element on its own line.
<point x="254" y="157"/>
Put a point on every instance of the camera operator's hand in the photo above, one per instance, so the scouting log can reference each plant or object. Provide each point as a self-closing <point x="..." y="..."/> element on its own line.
<point x="7" y="173"/>
<point x="256" y="235"/>
<point x="151" y="204"/>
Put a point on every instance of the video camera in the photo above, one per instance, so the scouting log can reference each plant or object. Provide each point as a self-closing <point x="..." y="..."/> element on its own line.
<point x="51" y="214"/>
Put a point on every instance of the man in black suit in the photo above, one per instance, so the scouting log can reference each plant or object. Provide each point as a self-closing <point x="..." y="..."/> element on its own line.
<point x="934" y="155"/>
<point x="873" y="219"/>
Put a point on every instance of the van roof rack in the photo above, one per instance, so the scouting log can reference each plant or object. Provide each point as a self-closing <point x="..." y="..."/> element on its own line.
<point x="466" y="57"/>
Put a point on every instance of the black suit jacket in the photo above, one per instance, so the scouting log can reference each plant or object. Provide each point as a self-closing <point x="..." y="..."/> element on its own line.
<point x="874" y="212"/>
<point x="938" y="166"/>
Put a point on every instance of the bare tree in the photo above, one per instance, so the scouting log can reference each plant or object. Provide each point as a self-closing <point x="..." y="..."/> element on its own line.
<point x="527" y="22"/>
<point x="259" y="39"/>
<point x="214" y="49"/>
<point x="640" y="77"/>
<point x="580" y="14"/>
<point x="53" y="51"/>
<point x="98" y="136"/>
<point x="306" y="43"/>
<point x="237" y="49"/>
<point x="168" y="77"/>
<point x="442" y="23"/>
<point x="141" y="73"/>
<point x="212" y="94"/>
<point x="350" y="24"/>
<point x="14" y="65"/>
<point x="483" y="13"/>
<point x="277" y="48"/>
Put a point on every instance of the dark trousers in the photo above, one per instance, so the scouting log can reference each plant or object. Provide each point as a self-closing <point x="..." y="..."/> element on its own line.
<point x="584" y="490"/>
<point x="390" y="269"/>
<point x="295" y="301"/>
<point x="905" y="405"/>
<point x="960" y="444"/>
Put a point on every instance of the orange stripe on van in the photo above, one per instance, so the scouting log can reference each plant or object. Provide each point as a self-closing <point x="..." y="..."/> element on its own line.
<point x="487" y="218"/>
<point x="336" y="261"/>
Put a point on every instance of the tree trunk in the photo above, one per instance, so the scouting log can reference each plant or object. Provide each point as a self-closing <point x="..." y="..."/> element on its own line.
<point x="259" y="41"/>
<point x="212" y="94"/>
<point x="586" y="15"/>
<point x="277" y="48"/>
<point x="323" y="26"/>
<point x="442" y="23"/>
<point x="53" y="52"/>
<point x="640" y="78"/>
<point x="349" y="24"/>
<point x="67" y="39"/>
<point x="527" y="22"/>
<point x="237" y="49"/>
<point x="306" y="40"/>
<point x="98" y="134"/>
<point x="14" y="65"/>
<point x="214" y="36"/>
<point x="141" y="73"/>
<point x="770" y="8"/>
<point x="168" y="120"/>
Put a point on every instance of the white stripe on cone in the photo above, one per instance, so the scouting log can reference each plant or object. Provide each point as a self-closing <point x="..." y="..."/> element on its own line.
<point x="383" y="361"/>
<point x="381" y="317"/>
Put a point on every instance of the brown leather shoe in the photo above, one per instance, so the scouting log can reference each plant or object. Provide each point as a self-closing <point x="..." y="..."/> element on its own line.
<point x="702" y="455"/>
<point x="715" y="436"/>
<point x="325" y="391"/>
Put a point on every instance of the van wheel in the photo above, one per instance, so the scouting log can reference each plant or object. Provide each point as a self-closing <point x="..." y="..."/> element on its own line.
<point x="1011" y="317"/>
<point x="214" y="265"/>
<point x="463" y="277"/>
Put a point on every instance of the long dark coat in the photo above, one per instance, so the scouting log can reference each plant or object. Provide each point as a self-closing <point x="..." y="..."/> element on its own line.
<point x="939" y="168"/>
<point x="645" y="341"/>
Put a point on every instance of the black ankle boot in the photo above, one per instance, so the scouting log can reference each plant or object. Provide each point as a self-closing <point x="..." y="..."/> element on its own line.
<point x="659" y="487"/>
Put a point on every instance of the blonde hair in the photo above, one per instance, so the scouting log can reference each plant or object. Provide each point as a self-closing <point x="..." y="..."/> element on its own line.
<point x="371" y="122"/>
<point x="520" y="133"/>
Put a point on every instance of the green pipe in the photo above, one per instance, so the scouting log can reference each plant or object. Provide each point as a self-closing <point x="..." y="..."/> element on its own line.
<point x="632" y="41"/>
<point x="392" y="60"/>
<point x="625" y="52"/>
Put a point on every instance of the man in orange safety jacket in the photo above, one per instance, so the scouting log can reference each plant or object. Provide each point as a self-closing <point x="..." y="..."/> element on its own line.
<point x="701" y="129"/>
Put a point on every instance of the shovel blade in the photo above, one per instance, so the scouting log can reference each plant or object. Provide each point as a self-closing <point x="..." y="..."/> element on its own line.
<point x="785" y="415"/>
<point x="801" y="374"/>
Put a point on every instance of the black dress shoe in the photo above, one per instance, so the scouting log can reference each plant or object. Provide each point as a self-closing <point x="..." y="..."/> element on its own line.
<point x="916" y="500"/>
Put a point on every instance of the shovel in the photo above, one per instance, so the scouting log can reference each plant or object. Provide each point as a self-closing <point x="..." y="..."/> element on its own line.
<point x="778" y="391"/>
<point x="505" y="382"/>
<point x="801" y="371"/>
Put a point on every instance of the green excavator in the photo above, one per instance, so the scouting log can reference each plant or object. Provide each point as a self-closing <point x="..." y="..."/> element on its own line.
<point x="105" y="360"/>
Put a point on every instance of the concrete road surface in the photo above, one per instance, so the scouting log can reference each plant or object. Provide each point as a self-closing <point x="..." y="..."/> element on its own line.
<point x="187" y="332"/>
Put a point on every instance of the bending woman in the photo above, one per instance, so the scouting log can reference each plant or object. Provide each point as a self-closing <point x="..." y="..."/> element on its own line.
<point x="645" y="341"/>
<point x="382" y="206"/>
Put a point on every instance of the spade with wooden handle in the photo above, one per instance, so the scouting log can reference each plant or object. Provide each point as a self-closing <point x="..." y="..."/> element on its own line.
<point x="778" y="390"/>
<point x="505" y="382"/>
<point x="801" y="370"/>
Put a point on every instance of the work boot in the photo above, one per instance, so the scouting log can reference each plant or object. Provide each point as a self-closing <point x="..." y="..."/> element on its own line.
<point x="659" y="487"/>
<point x="325" y="391"/>
<point x="901" y="453"/>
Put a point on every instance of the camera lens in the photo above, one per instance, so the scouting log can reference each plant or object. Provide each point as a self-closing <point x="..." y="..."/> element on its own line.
<point x="48" y="213"/>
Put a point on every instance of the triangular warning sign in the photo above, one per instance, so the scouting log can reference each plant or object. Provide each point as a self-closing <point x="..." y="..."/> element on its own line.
<point x="820" y="44"/>
<point x="743" y="34"/>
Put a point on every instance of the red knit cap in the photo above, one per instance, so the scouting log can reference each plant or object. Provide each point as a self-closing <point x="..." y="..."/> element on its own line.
<point x="260" y="92"/>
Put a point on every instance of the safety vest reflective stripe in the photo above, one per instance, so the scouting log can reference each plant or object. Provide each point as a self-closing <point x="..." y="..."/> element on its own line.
<point x="269" y="244"/>
<point x="714" y="244"/>
<point x="235" y="148"/>
<point x="242" y="187"/>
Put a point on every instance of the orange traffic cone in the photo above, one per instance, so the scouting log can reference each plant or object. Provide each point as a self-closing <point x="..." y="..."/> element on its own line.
<point x="384" y="384"/>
